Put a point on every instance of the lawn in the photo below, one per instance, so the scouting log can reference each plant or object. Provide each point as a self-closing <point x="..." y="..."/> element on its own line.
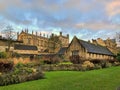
<point x="103" y="79"/>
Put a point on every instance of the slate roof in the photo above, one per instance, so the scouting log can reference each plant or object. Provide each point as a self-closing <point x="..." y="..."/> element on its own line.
<point x="92" y="48"/>
<point x="24" y="47"/>
<point x="62" y="50"/>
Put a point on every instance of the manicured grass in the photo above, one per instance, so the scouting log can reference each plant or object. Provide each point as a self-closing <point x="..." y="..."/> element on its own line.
<point x="103" y="79"/>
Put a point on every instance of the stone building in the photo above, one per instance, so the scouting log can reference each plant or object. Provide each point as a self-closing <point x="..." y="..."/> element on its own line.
<point x="109" y="43"/>
<point x="40" y="41"/>
<point x="88" y="51"/>
<point x="4" y="44"/>
<point x="30" y="39"/>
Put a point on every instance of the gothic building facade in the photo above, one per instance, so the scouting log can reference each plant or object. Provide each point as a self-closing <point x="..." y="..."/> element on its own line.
<point x="41" y="41"/>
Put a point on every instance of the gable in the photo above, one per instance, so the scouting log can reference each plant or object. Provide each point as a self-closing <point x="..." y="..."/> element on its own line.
<point x="75" y="45"/>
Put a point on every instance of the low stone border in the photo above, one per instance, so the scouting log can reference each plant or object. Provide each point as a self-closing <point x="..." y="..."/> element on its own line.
<point x="73" y="67"/>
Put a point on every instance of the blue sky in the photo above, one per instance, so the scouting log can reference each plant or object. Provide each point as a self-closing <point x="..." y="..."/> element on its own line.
<point x="86" y="19"/>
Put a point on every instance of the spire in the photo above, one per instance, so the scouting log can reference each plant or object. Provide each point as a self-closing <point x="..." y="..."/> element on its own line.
<point x="40" y="34"/>
<point x="32" y="32"/>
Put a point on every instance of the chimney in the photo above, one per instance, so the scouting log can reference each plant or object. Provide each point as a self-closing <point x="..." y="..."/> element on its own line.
<point x="60" y="33"/>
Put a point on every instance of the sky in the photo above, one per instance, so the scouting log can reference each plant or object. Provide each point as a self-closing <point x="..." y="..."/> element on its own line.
<point x="87" y="19"/>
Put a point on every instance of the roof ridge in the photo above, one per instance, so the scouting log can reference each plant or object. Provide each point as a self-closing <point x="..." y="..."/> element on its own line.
<point x="94" y="48"/>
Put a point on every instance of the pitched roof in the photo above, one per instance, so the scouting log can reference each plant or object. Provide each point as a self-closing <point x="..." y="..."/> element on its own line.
<point x="24" y="47"/>
<point x="92" y="48"/>
<point x="62" y="50"/>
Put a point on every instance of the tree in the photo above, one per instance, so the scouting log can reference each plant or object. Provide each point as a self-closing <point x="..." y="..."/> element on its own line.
<point x="118" y="56"/>
<point x="54" y="43"/>
<point x="9" y="35"/>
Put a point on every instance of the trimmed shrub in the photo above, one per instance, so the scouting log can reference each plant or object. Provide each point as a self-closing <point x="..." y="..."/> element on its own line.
<point x="108" y="64"/>
<point x="21" y="73"/>
<point x="88" y="65"/>
<point x="51" y="59"/>
<point x="7" y="79"/>
<point x="103" y="63"/>
<point x="98" y="66"/>
<point x="3" y="55"/>
<point x="116" y="63"/>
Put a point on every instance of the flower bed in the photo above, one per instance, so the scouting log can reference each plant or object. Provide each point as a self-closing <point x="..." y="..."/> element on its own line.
<point x="21" y="73"/>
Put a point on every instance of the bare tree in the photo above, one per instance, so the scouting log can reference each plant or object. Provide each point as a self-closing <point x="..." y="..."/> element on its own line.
<point x="9" y="35"/>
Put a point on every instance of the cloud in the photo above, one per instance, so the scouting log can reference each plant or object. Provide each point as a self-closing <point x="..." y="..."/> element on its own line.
<point x="98" y="26"/>
<point x="113" y="8"/>
<point x="77" y="17"/>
